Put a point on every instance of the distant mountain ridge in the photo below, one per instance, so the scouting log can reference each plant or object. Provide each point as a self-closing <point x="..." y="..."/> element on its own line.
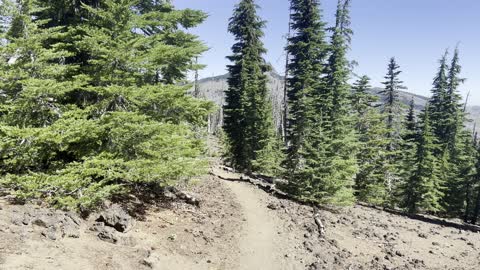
<point x="213" y="89"/>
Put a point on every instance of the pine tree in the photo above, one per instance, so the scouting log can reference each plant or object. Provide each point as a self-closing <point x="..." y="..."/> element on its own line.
<point x="424" y="188"/>
<point x="392" y="110"/>
<point x="437" y="103"/>
<point x="453" y="105"/>
<point x="308" y="51"/>
<point x="340" y="165"/>
<point x="371" y="129"/>
<point x="458" y="142"/>
<point x="410" y="138"/>
<point x="410" y="132"/>
<point x="468" y="173"/>
<point x="327" y="165"/>
<point x="391" y="105"/>
<point x="84" y="119"/>
<point x="476" y="184"/>
<point x="248" y="121"/>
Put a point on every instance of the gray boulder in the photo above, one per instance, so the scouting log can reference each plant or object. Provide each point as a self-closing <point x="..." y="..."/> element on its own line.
<point x="116" y="218"/>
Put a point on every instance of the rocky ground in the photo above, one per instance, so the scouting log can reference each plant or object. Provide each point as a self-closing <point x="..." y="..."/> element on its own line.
<point x="236" y="226"/>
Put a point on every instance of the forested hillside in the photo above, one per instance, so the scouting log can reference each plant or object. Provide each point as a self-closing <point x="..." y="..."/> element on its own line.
<point x="337" y="142"/>
<point x="213" y="89"/>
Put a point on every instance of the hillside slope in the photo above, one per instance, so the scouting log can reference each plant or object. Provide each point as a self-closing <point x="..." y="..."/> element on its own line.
<point x="236" y="227"/>
<point x="213" y="89"/>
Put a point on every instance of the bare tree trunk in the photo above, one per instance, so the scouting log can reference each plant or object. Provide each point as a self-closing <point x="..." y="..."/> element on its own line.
<point x="318" y="221"/>
<point x="196" y="92"/>
<point x="285" y="87"/>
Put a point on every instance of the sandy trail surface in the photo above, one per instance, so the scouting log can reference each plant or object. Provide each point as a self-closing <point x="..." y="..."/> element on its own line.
<point x="262" y="241"/>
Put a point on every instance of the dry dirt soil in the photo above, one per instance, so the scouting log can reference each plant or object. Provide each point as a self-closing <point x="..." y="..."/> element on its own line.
<point x="237" y="226"/>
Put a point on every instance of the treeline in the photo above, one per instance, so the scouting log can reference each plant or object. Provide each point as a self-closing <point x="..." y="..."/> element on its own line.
<point x="90" y="102"/>
<point x="343" y="144"/>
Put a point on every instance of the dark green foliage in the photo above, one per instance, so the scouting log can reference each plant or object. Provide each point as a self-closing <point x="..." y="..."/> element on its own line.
<point x="459" y="181"/>
<point x="410" y="138"/>
<point x="459" y="144"/>
<point x="371" y="130"/>
<point x="392" y="110"/>
<point x="248" y="114"/>
<point x="455" y="118"/>
<point x="307" y="50"/>
<point x="410" y="131"/>
<point x="424" y="188"/>
<point x="92" y="109"/>
<point x="321" y="157"/>
<point x="437" y="104"/>
<point x="468" y="172"/>
<point x="474" y="213"/>
<point x="391" y="105"/>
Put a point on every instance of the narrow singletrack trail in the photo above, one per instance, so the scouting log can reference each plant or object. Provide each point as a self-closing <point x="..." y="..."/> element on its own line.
<point x="257" y="242"/>
<point x="264" y="242"/>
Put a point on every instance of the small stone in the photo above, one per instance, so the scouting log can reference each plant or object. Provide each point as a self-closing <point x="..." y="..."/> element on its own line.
<point x="308" y="246"/>
<point x="50" y="233"/>
<point x="108" y="235"/>
<point x="147" y="262"/>
<point x="272" y="206"/>
<point x="97" y="227"/>
<point x="315" y="266"/>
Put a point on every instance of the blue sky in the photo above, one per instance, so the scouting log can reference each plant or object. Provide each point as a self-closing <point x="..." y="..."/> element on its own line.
<point x="416" y="32"/>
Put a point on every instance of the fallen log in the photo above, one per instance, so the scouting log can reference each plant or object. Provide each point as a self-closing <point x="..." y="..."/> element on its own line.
<point x="182" y="195"/>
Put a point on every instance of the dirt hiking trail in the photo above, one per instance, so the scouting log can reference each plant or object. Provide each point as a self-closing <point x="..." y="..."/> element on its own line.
<point x="260" y="239"/>
<point x="236" y="227"/>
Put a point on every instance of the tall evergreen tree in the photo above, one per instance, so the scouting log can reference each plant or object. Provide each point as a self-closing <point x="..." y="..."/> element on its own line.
<point x="453" y="106"/>
<point x="393" y="111"/>
<point x="320" y="158"/>
<point x="467" y="164"/>
<point x="308" y="51"/>
<point x="437" y="103"/>
<point x="84" y="120"/>
<point x="336" y="166"/>
<point x="391" y="106"/>
<point x="458" y="140"/>
<point x="248" y="121"/>
<point x="371" y="129"/>
<point x="424" y="189"/>
<point x="410" y="138"/>
<point x="476" y="185"/>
